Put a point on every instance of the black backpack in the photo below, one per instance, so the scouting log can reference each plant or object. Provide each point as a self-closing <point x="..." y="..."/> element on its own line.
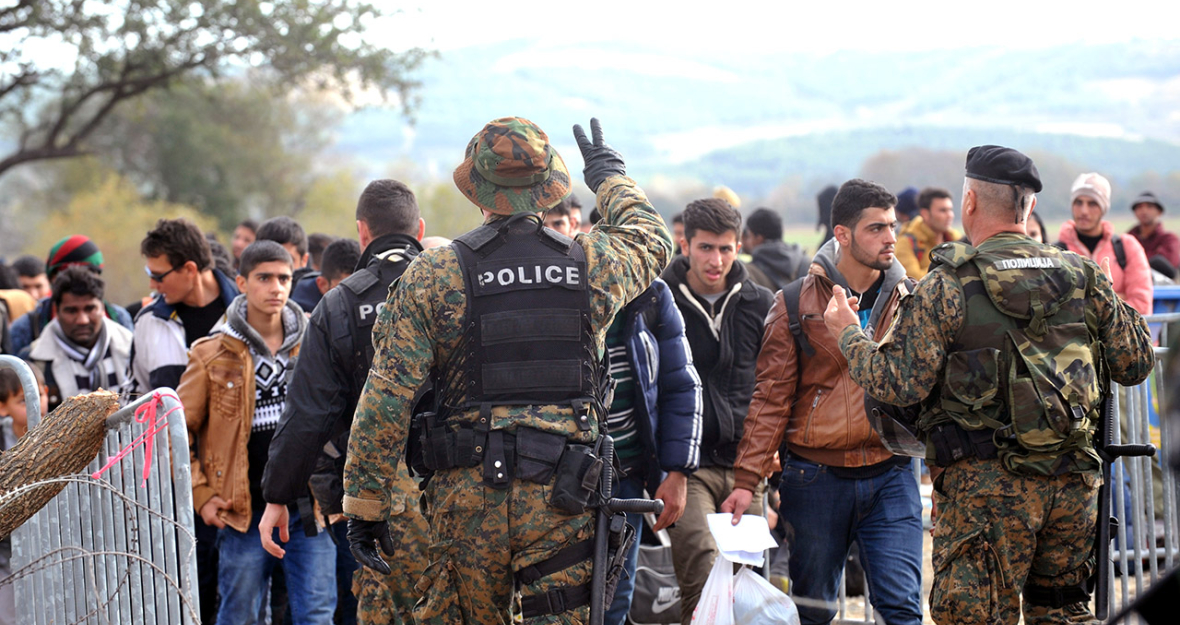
<point x="791" y="300"/>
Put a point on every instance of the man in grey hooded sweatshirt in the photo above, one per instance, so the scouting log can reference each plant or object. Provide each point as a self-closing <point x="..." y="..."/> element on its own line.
<point x="839" y="482"/>
<point x="233" y="392"/>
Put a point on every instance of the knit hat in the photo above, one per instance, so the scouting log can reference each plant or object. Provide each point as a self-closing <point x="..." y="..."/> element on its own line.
<point x="510" y="168"/>
<point x="1091" y="185"/>
<point x="1147" y="197"/>
<point x="907" y="202"/>
<point x="72" y="250"/>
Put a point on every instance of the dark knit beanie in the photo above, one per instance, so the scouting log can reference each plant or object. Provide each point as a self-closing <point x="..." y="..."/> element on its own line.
<point x="72" y="250"/>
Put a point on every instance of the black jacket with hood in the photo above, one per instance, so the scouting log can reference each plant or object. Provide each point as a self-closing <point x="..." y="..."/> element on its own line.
<point x="725" y="339"/>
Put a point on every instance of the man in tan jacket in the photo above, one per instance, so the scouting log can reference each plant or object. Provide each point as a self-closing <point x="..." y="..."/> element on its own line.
<point x="233" y="392"/>
<point x="839" y="482"/>
<point x="931" y="228"/>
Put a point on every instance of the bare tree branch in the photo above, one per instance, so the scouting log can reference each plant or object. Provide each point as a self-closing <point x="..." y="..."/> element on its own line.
<point x="10" y="18"/>
<point x="50" y="147"/>
<point x="25" y="78"/>
<point x="164" y="40"/>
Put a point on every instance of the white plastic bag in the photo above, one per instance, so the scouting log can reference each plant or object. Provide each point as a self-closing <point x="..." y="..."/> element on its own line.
<point x="757" y="602"/>
<point x="716" y="604"/>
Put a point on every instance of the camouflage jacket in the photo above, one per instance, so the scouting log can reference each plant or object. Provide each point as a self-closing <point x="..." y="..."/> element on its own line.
<point x="911" y="359"/>
<point x="422" y="324"/>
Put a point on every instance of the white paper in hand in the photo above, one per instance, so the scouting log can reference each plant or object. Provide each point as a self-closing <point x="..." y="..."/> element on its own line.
<point x="743" y="543"/>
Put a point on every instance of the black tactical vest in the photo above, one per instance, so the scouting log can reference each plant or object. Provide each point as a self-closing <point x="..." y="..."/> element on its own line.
<point x="527" y="336"/>
<point x="364" y="294"/>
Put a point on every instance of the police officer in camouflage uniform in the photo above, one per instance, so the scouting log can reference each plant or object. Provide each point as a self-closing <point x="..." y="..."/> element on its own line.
<point x="1008" y="347"/>
<point x="312" y="436"/>
<point x="510" y="322"/>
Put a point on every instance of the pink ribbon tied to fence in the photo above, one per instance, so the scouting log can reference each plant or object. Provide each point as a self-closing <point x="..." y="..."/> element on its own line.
<point x="147" y="413"/>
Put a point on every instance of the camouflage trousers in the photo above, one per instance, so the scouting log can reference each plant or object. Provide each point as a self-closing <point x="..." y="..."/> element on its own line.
<point x="480" y="536"/>
<point x="389" y="599"/>
<point x="998" y="531"/>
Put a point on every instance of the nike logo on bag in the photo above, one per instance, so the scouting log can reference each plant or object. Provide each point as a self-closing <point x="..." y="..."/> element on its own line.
<point x="666" y="598"/>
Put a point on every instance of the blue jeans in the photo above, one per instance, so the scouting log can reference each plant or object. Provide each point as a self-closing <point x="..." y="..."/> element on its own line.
<point x="245" y="567"/>
<point x="823" y="514"/>
<point x="629" y="488"/>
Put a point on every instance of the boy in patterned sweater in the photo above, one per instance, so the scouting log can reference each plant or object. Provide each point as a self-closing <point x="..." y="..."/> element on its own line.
<point x="233" y="392"/>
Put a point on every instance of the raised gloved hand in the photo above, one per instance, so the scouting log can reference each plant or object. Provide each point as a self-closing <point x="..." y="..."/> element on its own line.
<point x="601" y="160"/>
<point x="361" y="538"/>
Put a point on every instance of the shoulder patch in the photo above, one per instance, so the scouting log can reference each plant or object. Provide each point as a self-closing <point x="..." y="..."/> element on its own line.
<point x="952" y="254"/>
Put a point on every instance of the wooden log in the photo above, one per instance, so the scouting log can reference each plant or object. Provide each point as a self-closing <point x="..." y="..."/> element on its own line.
<point x="67" y="440"/>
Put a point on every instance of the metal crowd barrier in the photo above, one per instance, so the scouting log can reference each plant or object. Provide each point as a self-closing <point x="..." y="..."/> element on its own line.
<point x="113" y="549"/>
<point x="1147" y="542"/>
<point x="28" y="384"/>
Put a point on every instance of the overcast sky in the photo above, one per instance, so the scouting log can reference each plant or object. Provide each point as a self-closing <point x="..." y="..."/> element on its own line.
<point x="788" y="25"/>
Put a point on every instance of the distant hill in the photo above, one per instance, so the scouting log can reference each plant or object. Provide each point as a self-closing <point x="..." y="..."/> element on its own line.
<point x="758" y="166"/>
<point x="750" y="121"/>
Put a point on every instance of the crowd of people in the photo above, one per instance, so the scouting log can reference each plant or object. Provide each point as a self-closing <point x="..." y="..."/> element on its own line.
<point x="734" y="358"/>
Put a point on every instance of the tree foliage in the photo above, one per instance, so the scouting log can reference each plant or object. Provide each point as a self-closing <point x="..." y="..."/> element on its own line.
<point x="116" y="218"/>
<point x="916" y="167"/>
<point x="231" y="149"/>
<point x="66" y="65"/>
<point x="447" y="212"/>
<point x="330" y="204"/>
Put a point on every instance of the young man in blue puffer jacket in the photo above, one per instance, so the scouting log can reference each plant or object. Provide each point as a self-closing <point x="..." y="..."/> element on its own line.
<point x="655" y="417"/>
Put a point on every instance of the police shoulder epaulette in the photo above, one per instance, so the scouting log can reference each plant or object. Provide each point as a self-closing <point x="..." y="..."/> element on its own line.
<point x="360" y="281"/>
<point x="478" y="238"/>
<point x="556" y="240"/>
<point x="953" y="254"/>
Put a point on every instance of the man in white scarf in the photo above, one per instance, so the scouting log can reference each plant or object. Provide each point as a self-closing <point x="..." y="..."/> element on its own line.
<point x="81" y="350"/>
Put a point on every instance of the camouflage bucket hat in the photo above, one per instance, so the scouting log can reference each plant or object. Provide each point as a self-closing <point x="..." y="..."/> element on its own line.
<point x="511" y="168"/>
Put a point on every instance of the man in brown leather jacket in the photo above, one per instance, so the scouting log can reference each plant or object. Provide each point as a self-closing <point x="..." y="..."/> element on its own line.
<point x="839" y="482"/>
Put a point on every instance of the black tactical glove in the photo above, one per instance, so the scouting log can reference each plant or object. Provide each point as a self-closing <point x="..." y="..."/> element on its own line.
<point x="601" y="160"/>
<point x="361" y="535"/>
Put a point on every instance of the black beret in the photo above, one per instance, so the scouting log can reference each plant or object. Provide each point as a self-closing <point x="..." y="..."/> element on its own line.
<point x="993" y="163"/>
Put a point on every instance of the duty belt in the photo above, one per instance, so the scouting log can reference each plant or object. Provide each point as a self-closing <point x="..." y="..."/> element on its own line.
<point x="526" y="453"/>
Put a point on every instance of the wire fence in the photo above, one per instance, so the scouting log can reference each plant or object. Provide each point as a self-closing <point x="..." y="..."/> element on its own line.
<point x="117" y="544"/>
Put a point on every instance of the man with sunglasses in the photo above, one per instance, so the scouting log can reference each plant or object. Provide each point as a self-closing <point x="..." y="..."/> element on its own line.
<point x="191" y="297"/>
